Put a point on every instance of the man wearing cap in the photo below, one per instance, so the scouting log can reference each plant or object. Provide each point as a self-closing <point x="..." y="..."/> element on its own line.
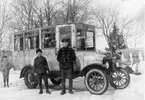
<point x="66" y="57"/>
<point x="41" y="70"/>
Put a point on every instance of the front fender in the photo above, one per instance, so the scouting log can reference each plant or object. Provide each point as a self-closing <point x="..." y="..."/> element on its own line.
<point x="91" y="66"/>
<point x="24" y="70"/>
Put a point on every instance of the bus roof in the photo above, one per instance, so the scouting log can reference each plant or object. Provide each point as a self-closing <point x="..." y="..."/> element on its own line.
<point x="37" y="29"/>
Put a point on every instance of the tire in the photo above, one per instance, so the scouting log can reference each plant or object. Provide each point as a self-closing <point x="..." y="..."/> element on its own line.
<point x="120" y="79"/>
<point x="93" y="81"/>
<point x="56" y="81"/>
<point x="31" y="81"/>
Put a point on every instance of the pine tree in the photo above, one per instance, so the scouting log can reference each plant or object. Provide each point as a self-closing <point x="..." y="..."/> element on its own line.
<point x="116" y="40"/>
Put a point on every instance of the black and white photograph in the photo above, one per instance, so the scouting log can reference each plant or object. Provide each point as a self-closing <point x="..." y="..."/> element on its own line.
<point x="72" y="49"/>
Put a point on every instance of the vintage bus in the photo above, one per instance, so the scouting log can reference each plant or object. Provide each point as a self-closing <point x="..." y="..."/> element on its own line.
<point x="82" y="39"/>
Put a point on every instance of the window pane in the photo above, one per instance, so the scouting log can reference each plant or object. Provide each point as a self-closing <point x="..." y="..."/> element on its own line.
<point x="27" y="43"/>
<point x="65" y="32"/>
<point x="85" y="40"/>
<point x="21" y="43"/>
<point x="18" y="42"/>
<point x="32" y="42"/>
<point x="37" y="42"/>
<point x="90" y="40"/>
<point x="48" y="39"/>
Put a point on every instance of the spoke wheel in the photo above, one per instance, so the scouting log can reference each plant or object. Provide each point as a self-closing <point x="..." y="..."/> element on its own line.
<point x="120" y="79"/>
<point x="96" y="81"/>
<point x="31" y="81"/>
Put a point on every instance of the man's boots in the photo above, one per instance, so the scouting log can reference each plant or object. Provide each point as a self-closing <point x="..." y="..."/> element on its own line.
<point x="7" y="82"/>
<point x="4" y="82"/>
<point x="47" y="88"/>
<point x="41" y="91"/>
<point x="47" y="91"/>
<point x="70" y="86"/>
<point x="63" y="87"/>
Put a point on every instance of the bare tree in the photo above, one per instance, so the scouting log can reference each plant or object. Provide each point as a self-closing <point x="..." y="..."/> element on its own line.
<point x="5" y="18"/>
<point x="47" y="12"/>
<point x="74" y="11"/>
<point x="22" y="12"/>
<point x="105" y="19"/>
<point x="33" y="13"/>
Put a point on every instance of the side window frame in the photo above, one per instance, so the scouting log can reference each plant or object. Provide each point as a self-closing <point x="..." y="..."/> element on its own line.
<point x="31" y="40"/>
<point x="48" y="39"/>
<point x="85" y="39"/>
<point x="18" y="42"/>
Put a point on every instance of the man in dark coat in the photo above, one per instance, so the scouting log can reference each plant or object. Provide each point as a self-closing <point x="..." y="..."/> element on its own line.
<point x="66" y="57"/>
<point x="41" y="70"/>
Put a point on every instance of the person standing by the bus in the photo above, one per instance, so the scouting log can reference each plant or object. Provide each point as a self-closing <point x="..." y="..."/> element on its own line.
<point x="41" y="70"/>
<point x="66" y="57"/>
<point x="5" y="68"/>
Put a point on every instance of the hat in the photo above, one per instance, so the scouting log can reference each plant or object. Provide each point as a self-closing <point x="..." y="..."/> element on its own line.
<point x="65" y="40"/>
<point x="38" y="50"/>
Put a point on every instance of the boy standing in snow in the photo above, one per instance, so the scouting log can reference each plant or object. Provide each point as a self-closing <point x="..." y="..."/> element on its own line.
<point x="41" y="70"/>
<point x="5" y="68"/>
<point x="66" y="56"/>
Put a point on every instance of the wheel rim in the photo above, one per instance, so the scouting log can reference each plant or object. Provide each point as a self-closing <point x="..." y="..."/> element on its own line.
<point x="119" y="78"/>
<point x="31" y="79"/>
<point x="96" y="81"/>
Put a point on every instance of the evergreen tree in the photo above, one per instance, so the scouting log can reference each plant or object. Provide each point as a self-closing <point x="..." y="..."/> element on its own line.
<point x="116" y="40"/>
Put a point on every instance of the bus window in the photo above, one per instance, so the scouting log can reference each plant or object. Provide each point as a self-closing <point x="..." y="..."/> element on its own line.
<point x="18" y="42"/>
<point x="48" y="39"/>
<point x="65" y="32"/>
<point x="85" y="40"/>
<point x="31" y="41"/>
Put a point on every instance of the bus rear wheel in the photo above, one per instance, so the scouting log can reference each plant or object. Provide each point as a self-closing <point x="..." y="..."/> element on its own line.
<point x="30" y="79"/>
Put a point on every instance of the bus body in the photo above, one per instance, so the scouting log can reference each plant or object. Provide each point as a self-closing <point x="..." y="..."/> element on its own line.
<point x="48" y="39"/>
<point x="88" y="59"/>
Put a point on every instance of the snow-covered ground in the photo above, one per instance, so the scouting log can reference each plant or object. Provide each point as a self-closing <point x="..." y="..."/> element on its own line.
<point x="18" y="90"/>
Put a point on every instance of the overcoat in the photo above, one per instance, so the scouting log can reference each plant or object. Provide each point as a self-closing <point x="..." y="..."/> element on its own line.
<point x="5" y="68"/>
<point x="40" y="65"/>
